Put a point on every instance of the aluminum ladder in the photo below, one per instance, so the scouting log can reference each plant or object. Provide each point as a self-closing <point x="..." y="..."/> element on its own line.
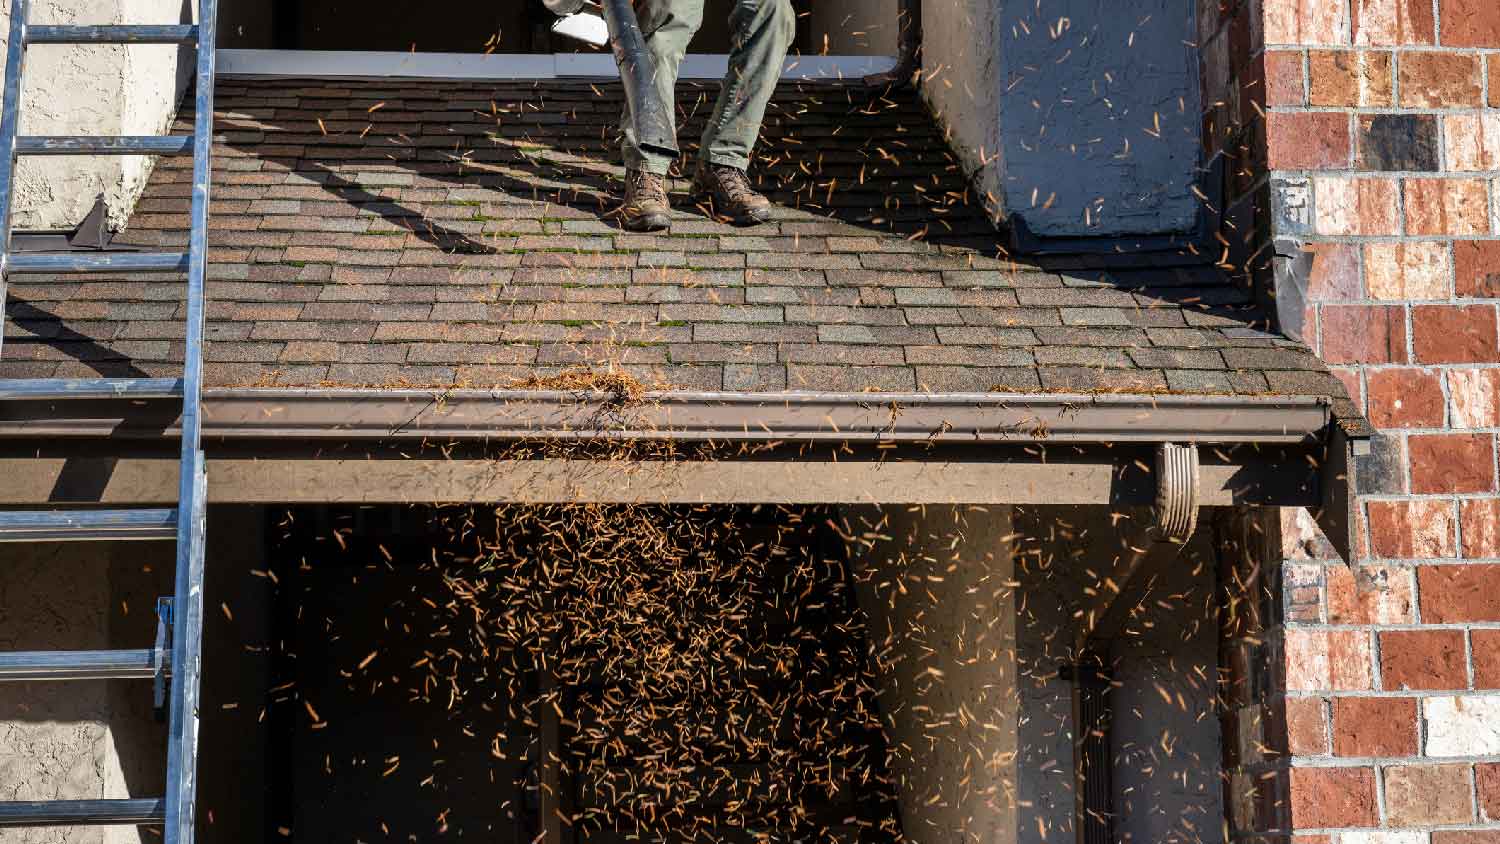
<point x="177" y="653"/>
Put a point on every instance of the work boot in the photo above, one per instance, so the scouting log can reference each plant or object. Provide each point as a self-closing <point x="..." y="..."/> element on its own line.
<point x="645" y="208"/>
<point x="729" y="190"/>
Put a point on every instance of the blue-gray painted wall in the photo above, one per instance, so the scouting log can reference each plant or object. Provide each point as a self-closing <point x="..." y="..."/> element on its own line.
<point x="1099" y="115"/>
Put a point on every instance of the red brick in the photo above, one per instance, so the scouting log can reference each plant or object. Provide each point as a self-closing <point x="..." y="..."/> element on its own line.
<point x="1406" y="398"/>
<point x="1409" y="271"/>
<point x="1332" y="797"/>
<point x="1393" y="22"/>
<point x="1422" y="660"/>
<point x="1349" y="376"/>
<point x="1405" y="530"/>
<point x="1479" y="520"/>
<point x="1454" y="334"/>
<point x="1470" y="23"/>
<point x="1374" y="726"/>
<point x="1486" y="646"/>
<point x="1369" y="594"/>
<point x="1348" y="206"/>
<point x="1447" y="207"/>
<point x="1424" y="795"/>
<point x="1445" y="463"/>
<point x="1284" y="78"/>
<point x="1349" y="78"/>
<point x="1317" y="660"/>
<point x="1474" y="397"/>
<point x="1487" y="778"/>
<point x="1472" y="140"/>
<point x="1363" y="334"/>
<point x="1439" y="80"/>
<point x="1305" y="21"/>
<point x="1306" y="727"/>
<point x="1466" y="836"/>
<point x="1477" y="263"/>
<point x="1308" y="140"/>
<point x="1459" y="594"/>
<point x="1335" y="272"/>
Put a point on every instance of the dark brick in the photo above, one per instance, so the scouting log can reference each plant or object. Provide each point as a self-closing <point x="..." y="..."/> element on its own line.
<point x="1399" y="142"/>
<point x="1382" y="471"/>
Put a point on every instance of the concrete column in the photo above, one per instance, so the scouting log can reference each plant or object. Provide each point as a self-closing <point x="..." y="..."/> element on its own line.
<point x="936" y="584"/>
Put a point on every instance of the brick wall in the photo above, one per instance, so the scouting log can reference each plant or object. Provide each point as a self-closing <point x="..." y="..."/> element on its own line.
<point x="1376" y="215"/>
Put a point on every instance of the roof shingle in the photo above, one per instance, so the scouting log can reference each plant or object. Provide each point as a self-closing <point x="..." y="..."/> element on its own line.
<point x="380" y="233"/>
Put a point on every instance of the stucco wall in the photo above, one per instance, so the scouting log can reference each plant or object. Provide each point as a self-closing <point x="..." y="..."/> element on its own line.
<point x="961" y="82"/>
<point x="79" y="740"/>
<point x="98" y="739"/>
<point x="1100" y="115"/>
<point x="1083" y="120"/>
<point x="96" y="90"/>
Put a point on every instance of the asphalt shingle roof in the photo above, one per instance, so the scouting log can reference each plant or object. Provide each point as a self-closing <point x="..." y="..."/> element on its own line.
<point x="381" y="233"/>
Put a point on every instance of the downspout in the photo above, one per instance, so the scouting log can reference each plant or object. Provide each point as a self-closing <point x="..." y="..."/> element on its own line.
<point x="909" y="49"/>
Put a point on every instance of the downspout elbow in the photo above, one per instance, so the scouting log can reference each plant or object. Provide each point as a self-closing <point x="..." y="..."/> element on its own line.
<point x="908" y="50"/>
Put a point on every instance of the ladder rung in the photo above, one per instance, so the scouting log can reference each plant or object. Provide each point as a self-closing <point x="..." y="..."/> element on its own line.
<point x="115" y="34"/>
<point x="90" y="388"/>
<point x="95" y="262"/>
<point x="77" y="525"/>
<point x="79" y="665"/>
<point x="82" y="812"/>
<point x="104" y="145"/>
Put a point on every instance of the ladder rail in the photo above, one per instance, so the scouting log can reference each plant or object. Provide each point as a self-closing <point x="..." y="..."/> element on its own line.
<point x="187" y="616"/>
<point x="10" y="116"/>
<point x="177" y="808"/>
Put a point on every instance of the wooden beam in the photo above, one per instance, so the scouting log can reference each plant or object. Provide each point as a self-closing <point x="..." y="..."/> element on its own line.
<point x="247" y="480"/>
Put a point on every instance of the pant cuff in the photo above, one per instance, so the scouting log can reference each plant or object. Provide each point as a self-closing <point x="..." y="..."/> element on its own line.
<point x="728" y="159"/>
<point x="658" y="164"/>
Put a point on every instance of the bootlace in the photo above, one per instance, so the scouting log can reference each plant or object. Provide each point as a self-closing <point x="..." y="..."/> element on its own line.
<point x="733" y="182"/>
<point x="647" y="185"/>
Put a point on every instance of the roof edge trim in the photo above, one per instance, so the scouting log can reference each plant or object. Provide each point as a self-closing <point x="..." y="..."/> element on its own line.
<point x="467" y="414"/>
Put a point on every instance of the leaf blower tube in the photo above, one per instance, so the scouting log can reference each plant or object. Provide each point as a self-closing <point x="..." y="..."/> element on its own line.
<point x="653" y="126"/>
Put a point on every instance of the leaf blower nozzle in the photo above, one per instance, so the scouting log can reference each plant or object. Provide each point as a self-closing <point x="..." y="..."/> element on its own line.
<point x="653" y="126"/>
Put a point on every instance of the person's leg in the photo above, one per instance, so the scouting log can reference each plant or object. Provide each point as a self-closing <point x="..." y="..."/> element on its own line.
<point x="668" y="26"/>
<point x="761" y="32"/>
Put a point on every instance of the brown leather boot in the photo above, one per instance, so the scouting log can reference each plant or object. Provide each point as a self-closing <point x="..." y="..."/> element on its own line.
<point x="728" y="188"/>
<point x="645" y="208"/>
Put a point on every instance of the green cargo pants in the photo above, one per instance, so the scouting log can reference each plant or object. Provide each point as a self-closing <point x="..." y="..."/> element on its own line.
<point x="760" y="32"/>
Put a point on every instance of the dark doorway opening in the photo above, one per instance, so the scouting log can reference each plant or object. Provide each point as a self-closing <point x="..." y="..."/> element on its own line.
<point x="571" y="673"/>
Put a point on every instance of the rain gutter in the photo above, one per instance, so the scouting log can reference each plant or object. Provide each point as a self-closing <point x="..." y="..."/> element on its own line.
<point x="489" y="415"/>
